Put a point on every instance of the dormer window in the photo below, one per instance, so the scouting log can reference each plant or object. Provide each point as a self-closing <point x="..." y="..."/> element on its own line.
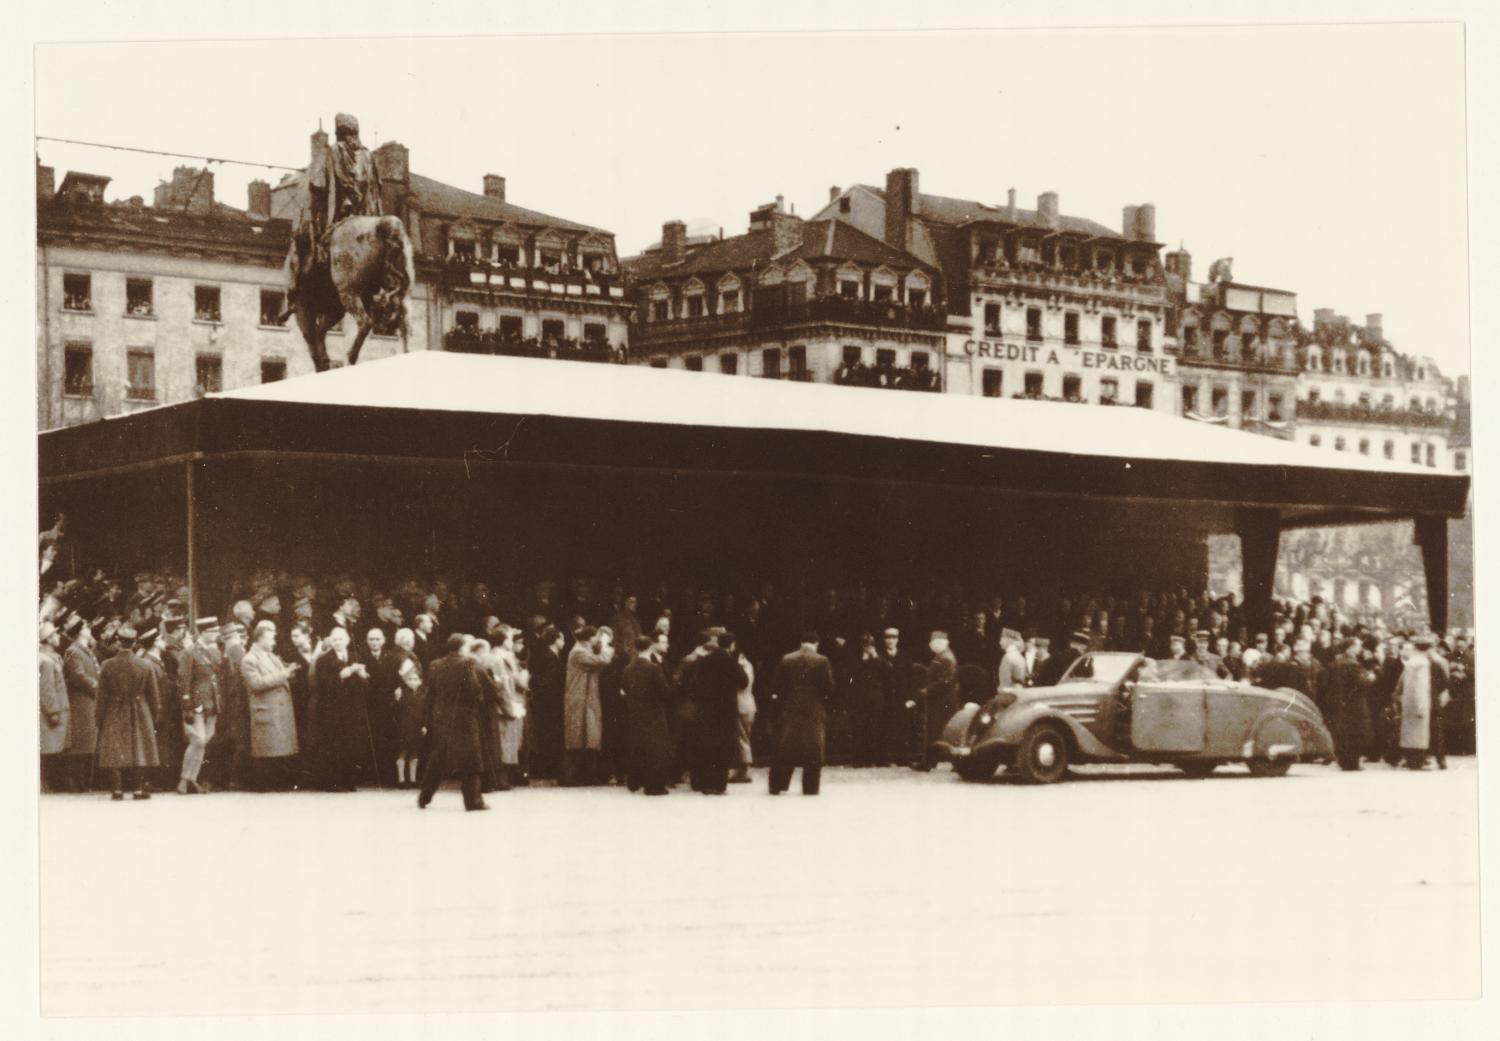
<point x="695" y="305"/>
<point x="729" y="301"/>
<point x="848" y="289"/>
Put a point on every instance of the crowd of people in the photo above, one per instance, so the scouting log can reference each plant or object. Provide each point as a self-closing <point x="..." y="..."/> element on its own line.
<point x="339" y="682"/>
<point x="514" y="345"/>
<point x="887" y="375"/>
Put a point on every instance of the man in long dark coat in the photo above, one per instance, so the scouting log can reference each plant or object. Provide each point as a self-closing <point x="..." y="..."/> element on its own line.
<point x="128" y="692"/>
<point x="383" y="663"/>
<point x="81" y="675"/>
<point x="869" y="695"/>
<point x="1343" y="700"/>
<point x="648" y="704"/>
<point x="716" y="680"/>
<point x="897" y="673"/>
<point x="341" y="688"/>
<point x="455" y="722"/>
<point x="937" y="699"/>
<point x="547" y="674"/>
<point x="802" y="687"/>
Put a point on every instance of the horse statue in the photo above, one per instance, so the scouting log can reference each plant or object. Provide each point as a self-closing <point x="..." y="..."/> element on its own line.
<point x="368" y="273"/>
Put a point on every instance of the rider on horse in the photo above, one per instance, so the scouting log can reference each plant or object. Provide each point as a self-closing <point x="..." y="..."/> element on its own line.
<point x="342" y="181"/>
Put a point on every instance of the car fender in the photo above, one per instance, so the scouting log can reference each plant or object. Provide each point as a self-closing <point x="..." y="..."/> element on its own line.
<point x="1011" y="727"/>
<point x="956" y="733"/>
<point x="1302" y="714"/>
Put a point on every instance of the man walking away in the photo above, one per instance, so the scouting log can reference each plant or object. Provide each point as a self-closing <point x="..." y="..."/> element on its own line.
<point x="455" y="714"/>
<point x="803" y="685"/>
<point x="648" y="702"/>
<point x="127" y="735"/>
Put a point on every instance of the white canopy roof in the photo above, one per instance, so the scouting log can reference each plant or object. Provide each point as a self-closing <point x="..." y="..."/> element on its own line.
<point x="437" y="380"/>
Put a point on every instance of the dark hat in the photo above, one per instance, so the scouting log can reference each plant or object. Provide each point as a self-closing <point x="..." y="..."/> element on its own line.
<point x="1079" y="636"/>
<point x="208" y="624"/>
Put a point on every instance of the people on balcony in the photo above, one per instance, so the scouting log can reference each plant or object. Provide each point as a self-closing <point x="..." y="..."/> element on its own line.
<point x="887" y="376"/>
<point x="512" y="344"/>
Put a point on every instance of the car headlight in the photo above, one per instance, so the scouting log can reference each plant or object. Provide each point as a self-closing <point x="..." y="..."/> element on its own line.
<point x="984" y="719"/>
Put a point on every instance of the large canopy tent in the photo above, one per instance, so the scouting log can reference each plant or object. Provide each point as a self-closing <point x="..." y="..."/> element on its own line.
<point x="521" y="467"/>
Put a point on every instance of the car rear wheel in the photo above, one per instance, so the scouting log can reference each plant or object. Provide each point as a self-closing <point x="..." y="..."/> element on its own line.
<point x="1198" y="768"/>
<point x="1043" y="755"/>
<point x="1277" y="746"/>
<point x="1269" y="767"/>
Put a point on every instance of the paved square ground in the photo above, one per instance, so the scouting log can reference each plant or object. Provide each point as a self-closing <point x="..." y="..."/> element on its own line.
<point x="891" y="888"/>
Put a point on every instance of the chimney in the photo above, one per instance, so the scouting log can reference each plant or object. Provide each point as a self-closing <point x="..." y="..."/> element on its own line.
<point x="673" y="241"/>
<point x="1462" y="390"/>
<point x="1046" y="208"/>
<point x="190" y="190"/>
<point x="317" y="143"/>
<point x="834" y="192"/>
<point x="135" y="202"/>
<point x="1322" y="317"/>
<point x="494" y="187"/>
<point x="393" y="160"/>
<point x="46" y="182"/>
<point x="1373" y="326"/>
<point x="1180" y="263"/>
<point x="1010" y="205"/>
<point x="900" y="204"/>
<point x="786" y="232"/>
<point x="258" y="200"/>
<point x="1130" y="222"/>
<point x="1145" y="222"/>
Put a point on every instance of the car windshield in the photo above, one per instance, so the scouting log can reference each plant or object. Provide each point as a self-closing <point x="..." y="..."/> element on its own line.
<point x="1170" y="669"/>
<point x="1099" y="668"/>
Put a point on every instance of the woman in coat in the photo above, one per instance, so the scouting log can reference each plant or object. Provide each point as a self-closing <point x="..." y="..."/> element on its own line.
<point x="273" y="719"/>
<point x="583" y="711"/>
<point x="128" y="695"/>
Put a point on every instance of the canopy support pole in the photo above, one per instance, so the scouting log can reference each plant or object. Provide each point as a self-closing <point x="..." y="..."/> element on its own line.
<point x="192" y="546"/>
<point x="1260" y="541"/>
<point x="1432" y="536"/>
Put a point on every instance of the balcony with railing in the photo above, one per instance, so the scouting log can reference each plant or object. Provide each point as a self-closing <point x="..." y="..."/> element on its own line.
<point x="887" y="377"/>
<point x="1043" y="276"/>
<point x="493" y="341"/>
<point x="1338" y="412"/>
<point x="1283" y="362"/>
<point x="464" y="273"/>
<point x="836" y="309"/>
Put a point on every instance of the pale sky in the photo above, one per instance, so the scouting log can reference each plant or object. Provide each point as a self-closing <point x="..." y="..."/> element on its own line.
<point x="1326" y="160"/>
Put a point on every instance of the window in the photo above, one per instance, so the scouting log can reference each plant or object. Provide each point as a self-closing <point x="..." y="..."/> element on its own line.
<point x="1338" y="444"/>
<point x="550" y="258"/>
<point x="695" y="306"/>
<point x="844" y="204"/>
<point x="1220" y="335"/>
<point x="210" y="373"/>
<point x="1189" y="399"/>
<point x="885" y="356"/>
<point x="1416" y="453"/>
<point x="661" y="310"/>
<point x="1143" y="335"/>
<point x="1248" y="404"/>
<point x="553" y="329"/>
<point x="78" y="293"/>
<point x="595" y="333"/>
<point x="991" y="382"/>
<point x="1274" y="409"/>
<point x="1432" y="455"/>
<point x="1072" y="388"/>
<point x="1107" y="326"/>
<point x="693" y="362"/>
<point x="1314" y="395"/>
<point x="729" y="302"/>
<point x="992" y="319"/>
<point x="467" y="320"/>
<point x="1033" y="323"/>
<point x="1338" y="362"/>
<point x="206" y="304"/>
<point x="1460" y="460"/>
<point x="138" y="298"/>
<point x="1109" y="391"/>
<point x="853" y="354"/>
<point x="272" y="370"/>
<point x="1315" y="440"/>
<point x="1190" y="337"/>
<point x="919" y="361"/>
<point x="770" y="363"/>
<point x="884" y="294"/>
<point x="507" y="253"/>
<point x="1388" y="402"/>
<point x="1145" y="392"/>
<point x="658" y="363"/>
<point x="729" y="364"/>
<point x="1034" y="384"/>
<point x="848" y="290"/>
<point x="272" y="306"/>
<point x="916" y="297"/>
<point x="78" y="370"/>
<point x="1070" y="327"/>
<point x="510" y="327"/>
<point x="141" y="373"/>
<point x="1390" y="449"/>
<point x="462" y="248"/>
<point x="1221" y="401"/>
<point x="1364" y="401"/>
<point x="796" y="361"/>
<point x="1364" y="446"/>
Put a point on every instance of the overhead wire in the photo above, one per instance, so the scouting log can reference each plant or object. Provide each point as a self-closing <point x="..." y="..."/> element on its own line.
<point x="172" y="155"/>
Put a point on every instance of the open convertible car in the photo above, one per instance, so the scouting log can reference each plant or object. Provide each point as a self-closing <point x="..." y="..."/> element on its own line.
<point x="1116" y="707"/>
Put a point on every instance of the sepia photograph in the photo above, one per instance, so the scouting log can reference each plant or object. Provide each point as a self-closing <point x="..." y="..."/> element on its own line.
<point x="605" y="522"/>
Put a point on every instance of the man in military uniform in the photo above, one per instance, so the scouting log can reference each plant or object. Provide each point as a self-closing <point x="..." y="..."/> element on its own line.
<point x="198" y="688"/>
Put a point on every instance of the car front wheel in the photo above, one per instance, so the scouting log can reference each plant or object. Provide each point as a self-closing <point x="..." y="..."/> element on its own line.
<point x="1198" y="769"/>
<point x="1043" y="755"/>
<point x="974" y="769"/>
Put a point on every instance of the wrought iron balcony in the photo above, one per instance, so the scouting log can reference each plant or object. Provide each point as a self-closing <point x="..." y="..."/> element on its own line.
<point x="880" y="314"/>
<point x="1338" y="412"/>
